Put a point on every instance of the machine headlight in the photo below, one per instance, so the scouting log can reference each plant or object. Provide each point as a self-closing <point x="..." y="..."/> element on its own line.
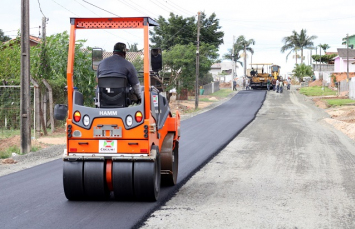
<point x="129" y="120"/>
<point x="86" y="120"/>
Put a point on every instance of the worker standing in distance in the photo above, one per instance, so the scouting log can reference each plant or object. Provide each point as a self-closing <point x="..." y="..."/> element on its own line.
<point x="234" y="85"/>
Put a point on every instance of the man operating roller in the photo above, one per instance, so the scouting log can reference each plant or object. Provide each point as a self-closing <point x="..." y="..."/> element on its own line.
<point x="117" y="64"/>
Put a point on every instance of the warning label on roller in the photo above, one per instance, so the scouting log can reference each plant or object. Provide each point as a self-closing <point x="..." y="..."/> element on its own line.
<point x="155" y="100"/>
<point x="108" y="146"/>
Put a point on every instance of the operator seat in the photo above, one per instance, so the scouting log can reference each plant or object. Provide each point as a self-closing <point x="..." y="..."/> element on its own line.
<point x="112" y="91"/>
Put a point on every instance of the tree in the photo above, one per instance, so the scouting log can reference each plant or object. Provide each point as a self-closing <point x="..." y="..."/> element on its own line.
<point x="244" y="45"/>
<point x="54" y="69"/>
<point x="234" y="57"/>
<point x="133" y="47"/>
<point x="302" y="70"/>
<point x="208" y="30"/>
<point x="178" y="30"/>
<point x="324" y="47"/>
<point x="297" y="42"/>
<point x="179" y="66"/>
<point x="3" y="37"/>
<point x="305" y="41"/>
<point x="325" y="58"/>
<point x="290" y="43"/>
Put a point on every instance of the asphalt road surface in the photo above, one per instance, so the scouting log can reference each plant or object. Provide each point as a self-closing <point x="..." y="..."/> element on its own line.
<point x="34" y="198"/>
<point x="287" y="169"/>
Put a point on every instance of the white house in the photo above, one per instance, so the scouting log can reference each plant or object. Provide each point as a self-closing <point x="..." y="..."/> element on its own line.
<point x="222" y="71"/>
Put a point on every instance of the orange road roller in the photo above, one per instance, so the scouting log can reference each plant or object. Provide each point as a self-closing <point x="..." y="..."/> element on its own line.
<point x="115" y="148"/>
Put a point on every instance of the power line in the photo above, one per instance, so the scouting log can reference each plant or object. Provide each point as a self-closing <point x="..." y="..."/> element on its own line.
<point x="161" y="7"/>
<point x="110" y="13"/>
<point x="189" y="13"/>
<point x="18" y="29"/>
<point x="130" y="5"/>
<point x="65" y="8"/>
<point x="285" y="22"/>
<point x="86" y="7"/>
<point x="40" y="9"/>
<point x="166" y="6"/>
<point x="101" y="8"/>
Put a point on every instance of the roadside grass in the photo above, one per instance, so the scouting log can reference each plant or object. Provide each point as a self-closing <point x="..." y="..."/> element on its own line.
<point x="317" y="91"/>
<point x="6" y="153"/>
<point x="339" y="102"/>
<point x="205" y="100"/>
<point x="8" y="133"/>
<point x="222" y="92"/>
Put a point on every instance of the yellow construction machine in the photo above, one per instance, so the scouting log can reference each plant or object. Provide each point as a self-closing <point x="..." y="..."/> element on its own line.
<point x="260" y="76"/>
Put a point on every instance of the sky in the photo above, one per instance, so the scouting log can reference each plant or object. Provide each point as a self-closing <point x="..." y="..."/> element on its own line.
<point x="267" y="22"/>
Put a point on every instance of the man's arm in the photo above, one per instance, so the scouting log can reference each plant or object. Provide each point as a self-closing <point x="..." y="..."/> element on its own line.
<point x="134" y="82"/>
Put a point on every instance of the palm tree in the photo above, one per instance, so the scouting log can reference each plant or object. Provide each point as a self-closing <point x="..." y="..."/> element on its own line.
<point x="324" y="47"/>
<point x="234" y="57"/>
<point x="297" y="42"/>
<point x="305" y="41"/>
<point x="290" y="43"/>
<point x="302" y="70"/>
<point x="243" y="44"/>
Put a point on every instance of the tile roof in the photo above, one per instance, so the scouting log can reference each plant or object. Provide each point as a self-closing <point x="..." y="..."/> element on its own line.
<point x="32" y="38"/>
<point x="130" y="56"/>
<point x="216" y="65"/>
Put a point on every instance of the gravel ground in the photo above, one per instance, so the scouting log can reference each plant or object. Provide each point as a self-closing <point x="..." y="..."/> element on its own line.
<point x="32" y="159"/>
<point x="287" y="169"/>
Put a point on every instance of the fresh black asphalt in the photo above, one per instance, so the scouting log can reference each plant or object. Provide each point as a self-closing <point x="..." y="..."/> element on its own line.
<point x="34" y="198"/>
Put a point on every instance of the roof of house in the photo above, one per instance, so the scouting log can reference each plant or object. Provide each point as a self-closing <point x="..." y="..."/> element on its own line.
<point x="216" y="66"/>
<point x="330" y="53"/>
<point x="130" y="56"/>
<point x="35" y="39"/>
<point x="342" y="53"/>
<point x="32" y="38"/>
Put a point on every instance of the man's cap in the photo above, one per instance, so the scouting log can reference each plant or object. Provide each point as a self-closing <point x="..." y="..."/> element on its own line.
<point x="119" y="47"/>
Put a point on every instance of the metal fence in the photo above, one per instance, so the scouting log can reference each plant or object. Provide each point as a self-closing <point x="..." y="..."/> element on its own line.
<point x="343" y="86"/>
<point x="210" y="88"/>
<point x="10" y="106"/>
<point x="352" y="88"/>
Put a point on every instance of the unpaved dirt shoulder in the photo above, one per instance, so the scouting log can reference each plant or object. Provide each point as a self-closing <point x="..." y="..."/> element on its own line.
<point x="32" y="159"/>
<point x="340" y="117"/>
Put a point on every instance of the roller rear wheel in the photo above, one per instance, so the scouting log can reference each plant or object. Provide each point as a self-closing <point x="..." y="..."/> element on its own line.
<point x="73" y="180"/>
<point x="122" y="180"/>
<point x="95" y="186"/>
<point x="171" y="178"/>
<point x="147" y="178"/>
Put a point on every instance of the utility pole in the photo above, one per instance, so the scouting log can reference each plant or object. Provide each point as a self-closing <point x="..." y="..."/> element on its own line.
<point x="316" y="54"/>
<point x="233" y="63"/>
<point x="25" y="97"/>
<point x="197" y="60"/>
<point x="320" y="61"/>
<point x="347" y="57"/>
<point x="245" y="61"/>
<point x="44" y="21"/>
